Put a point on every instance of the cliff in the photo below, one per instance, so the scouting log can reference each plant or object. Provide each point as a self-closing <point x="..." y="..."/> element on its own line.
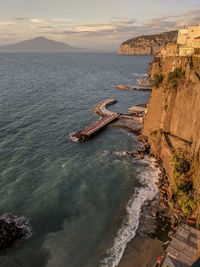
<point x="172" y="126"/>
<point x="149" y="44"/>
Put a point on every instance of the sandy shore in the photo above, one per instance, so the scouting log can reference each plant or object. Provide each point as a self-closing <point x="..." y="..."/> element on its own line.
<point x="141" y="252"/>
<point x="147" y="245"/>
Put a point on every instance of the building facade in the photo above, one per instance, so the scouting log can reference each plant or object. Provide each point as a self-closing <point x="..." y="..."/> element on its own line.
<point x="188" y="40"/>
<point x="188" y="43"/>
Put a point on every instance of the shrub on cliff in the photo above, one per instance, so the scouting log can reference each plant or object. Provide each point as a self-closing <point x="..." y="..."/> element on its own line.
<point x="157" y="80"/>
<point x="173" y="78"/>
<point x="181" y="164"/>
<point x="183" y="184"/>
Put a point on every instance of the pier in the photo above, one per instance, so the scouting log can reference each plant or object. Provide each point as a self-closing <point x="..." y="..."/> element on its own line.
<point x="124" y="87"/>
<point x="101" y="107"/>
<point x="93" y="129"/>
<point x="130" y="121"/>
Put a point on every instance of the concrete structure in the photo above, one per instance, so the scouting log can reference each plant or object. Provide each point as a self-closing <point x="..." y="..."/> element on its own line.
<point x="136" y="109"/>
<point x="172" y="49"/>
<point x="188" y="40"/>
<point x="196" y="42"/>
<point x="188" y="43"/>
<point x="182" y="36"/>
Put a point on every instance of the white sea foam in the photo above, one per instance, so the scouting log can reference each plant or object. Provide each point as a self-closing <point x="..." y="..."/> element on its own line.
<point x="73" y="138"/>
<point x="21" y="222"/>
<point x="117" y="153"/>
<point x="136" y="74"/>
<point x="147" y="191"/>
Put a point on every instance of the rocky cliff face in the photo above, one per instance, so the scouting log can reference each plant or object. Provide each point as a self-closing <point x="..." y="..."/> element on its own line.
<point x="148" y="45"/>
<point x="172" y="125"/>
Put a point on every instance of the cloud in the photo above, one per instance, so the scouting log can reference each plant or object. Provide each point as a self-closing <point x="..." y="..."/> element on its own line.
<point x="36" y="20"/>
<point x="4" y="24"/>
<point x="7" y="35"/>
<point x="94" y="28"/>
<point x="122" y="28"/>
<point x="20" y="18"/>
<point x="114" y="31"/>
<point x="128" y="21"/>
<point x="46" y="27"/>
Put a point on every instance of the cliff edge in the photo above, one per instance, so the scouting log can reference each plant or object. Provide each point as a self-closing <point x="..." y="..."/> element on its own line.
<point x="147" y="45"/>
<point x="172" y="126"/>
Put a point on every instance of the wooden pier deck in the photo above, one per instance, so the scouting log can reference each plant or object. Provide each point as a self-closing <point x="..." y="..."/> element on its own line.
<point x="86" y="133"/>
<point x="125" y="87"/>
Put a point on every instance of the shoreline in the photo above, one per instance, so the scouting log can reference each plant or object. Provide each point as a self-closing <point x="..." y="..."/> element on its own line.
<point x="140" y="240"/>
<point x="152" y="235"/>
<point x="131" y="229"/>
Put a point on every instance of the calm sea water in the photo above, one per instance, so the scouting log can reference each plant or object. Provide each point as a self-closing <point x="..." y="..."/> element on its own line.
<point x="75" y="195"/>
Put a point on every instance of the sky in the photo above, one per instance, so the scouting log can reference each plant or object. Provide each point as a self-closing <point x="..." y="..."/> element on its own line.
<point x="93" y="24"/>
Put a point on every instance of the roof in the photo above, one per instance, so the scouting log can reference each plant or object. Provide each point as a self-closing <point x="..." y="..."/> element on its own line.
<point x="197" y="38"/>
<point x="184" y="245"/>
<point x="170" y="262"/>
<point x="137" y="109"/>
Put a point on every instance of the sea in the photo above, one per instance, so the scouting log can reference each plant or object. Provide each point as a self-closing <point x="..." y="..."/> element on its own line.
<point x="82" y="200"/>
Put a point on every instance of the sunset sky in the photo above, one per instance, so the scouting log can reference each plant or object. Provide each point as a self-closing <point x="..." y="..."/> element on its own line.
<point x="93" y="24"/>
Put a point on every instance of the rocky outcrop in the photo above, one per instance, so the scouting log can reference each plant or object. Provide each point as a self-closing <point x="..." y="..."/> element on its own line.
<point x="147" y="45"/>
<point x="13" y="230"/>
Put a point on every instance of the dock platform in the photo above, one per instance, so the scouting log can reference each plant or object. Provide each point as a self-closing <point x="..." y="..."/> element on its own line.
<point x="124" y="87"/>
<point x="86" y="133"/>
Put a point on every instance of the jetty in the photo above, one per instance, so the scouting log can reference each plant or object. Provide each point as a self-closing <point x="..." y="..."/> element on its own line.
<point x="107" y="117"/>
<point x="101" y="107"/>
<point x="125" y="87"/>
<point x="130" y="121"/>
<point x="93" y="129"/>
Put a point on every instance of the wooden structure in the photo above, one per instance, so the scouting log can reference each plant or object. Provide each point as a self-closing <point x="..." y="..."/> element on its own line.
<point x="124" y="87"/>
<point x="86" y="133"/>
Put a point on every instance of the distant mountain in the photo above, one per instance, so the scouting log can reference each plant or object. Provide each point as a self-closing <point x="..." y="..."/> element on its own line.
<point x="39" y="45"/>
<point x="148" y="44"/>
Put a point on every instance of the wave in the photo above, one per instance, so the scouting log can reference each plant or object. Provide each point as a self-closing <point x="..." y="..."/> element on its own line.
<point x="73" y="138"/>
<point x="136" y="74"/>
<point x="116" y="153"/>
<point x="147" y="191"/>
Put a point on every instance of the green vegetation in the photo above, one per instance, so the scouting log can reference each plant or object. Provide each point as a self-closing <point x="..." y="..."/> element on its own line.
<point x="196" y="64"/>
<point x="152" y="136"/>
<point x="173" y="78"/>
<point x="183" y="184"/>
<point x="157" y="80"/>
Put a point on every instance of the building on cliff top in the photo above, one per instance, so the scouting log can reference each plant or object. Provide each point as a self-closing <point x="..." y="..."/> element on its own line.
<point x="188" y="43"/>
